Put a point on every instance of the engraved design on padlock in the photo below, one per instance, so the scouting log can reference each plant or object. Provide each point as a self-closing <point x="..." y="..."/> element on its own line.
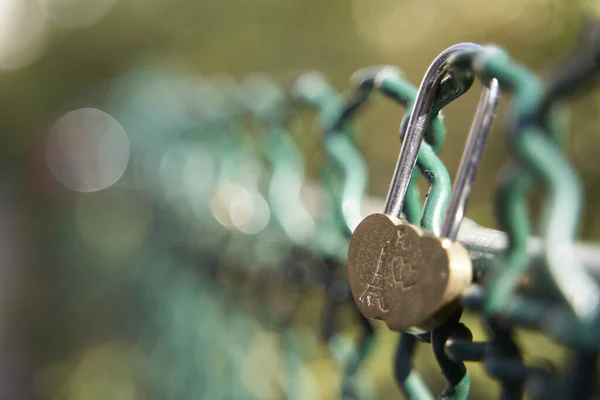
<point x="405" y="269"/>
<point x="416" y="282"/>
<point x="375" y="292"/>
<point x="403" y="275"/>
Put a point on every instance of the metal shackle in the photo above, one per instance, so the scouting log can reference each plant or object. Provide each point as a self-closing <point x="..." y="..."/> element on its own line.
<point x="410" y="277"/>
<point x="418" y="123"/>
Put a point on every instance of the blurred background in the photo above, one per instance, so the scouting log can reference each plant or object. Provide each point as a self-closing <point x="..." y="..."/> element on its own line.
<point x="100" y="297"/>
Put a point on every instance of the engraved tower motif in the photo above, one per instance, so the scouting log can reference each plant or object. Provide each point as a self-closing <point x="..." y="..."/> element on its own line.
<point x="376" y="289"/>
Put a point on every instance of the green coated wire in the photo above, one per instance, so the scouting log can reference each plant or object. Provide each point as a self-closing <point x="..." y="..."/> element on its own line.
<point x="349" y="163"/>
<point x="267" y="103"/>
<point x="538" y="153"/>
<point x="434" y="209"/>
<point x="352" y="166"/>
<point x="314" y="89"/>
<point x="180" y="341"/>
<point x="461" y="390"/>
<point x="512" y="212"/>
<point x="225" y="131"/>
<point x="434" y="220"/>
<point x="437" y="202"/>
<point x="388" y="80"/>
<point x="339" y="147"/>
<point x="413" y="387"/>
<point x="431" y="166"/>
<point x="345" y="179"/>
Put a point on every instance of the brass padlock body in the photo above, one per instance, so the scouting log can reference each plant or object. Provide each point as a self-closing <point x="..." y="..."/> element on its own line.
<point x="405" y="276"/>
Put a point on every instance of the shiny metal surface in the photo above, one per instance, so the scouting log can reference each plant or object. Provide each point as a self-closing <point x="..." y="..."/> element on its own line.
<point x="417" y="124"/>
<point x="483" y="244"/>
<point x="404" y="275"/>
<point x="470" y="159"/>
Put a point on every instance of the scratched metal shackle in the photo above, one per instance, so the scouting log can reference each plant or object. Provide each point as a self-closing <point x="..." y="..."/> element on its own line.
<point x="400" y="273"/>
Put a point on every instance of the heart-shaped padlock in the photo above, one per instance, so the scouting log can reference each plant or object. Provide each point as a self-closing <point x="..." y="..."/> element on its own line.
<point x="403" y="275"/>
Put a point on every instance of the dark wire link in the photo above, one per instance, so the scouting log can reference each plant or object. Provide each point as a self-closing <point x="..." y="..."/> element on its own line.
<point x="501" y="355"/>
<point x="460" y="350"/>
<point x="574" y="74"/>
<point x="504" y="361"/>
<point x="580" y="380"/>
<point x="409" y="382"/>
<point x="454" y="369"/>
<point x="451" y="87"/>
<point x="570" y="77"/>
<point x="403" y="359"/>
<point x="455" y="372"/>
<point x="337" y="293"/>
<point x="510" y="370"/>
<point x="408" y="379"/>
<point x="451" y="367"/>
<point x="313" y="89"/>
<point x="367" y="81"/>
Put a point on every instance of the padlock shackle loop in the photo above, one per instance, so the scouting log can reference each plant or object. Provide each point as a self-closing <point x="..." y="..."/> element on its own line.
<point x="366" y="80"/>
<point x="470" y="159"/>
<point x="364" y="83"/>
<point x="388" y="81"/>
<point x="418" y="123"/>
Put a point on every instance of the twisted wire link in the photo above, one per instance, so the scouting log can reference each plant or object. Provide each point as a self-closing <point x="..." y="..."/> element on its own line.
<point x="387" y="80"/>
<point x="535" y="132"/>
<point x="345" y="175"/>
<point x="408" y="380"/>
<point x="536" y="126"/>
<point x="419" y="119"/>
<point x="535" y="147"/>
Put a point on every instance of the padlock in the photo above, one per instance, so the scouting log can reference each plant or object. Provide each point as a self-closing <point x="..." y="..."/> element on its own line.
<point x="398" y="272"/>
<point x="403" y="275"/>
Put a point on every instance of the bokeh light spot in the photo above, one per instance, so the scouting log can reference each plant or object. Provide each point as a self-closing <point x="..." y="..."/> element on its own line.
<point x="220" y="203"/>
<point x="23" y="33"/>
<point x="87" y="150"/>
<point x="252" y="216"/>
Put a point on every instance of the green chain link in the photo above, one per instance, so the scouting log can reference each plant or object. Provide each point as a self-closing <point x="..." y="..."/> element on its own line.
<point x="535" y="145"/>
<point x="345" y="177"/>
